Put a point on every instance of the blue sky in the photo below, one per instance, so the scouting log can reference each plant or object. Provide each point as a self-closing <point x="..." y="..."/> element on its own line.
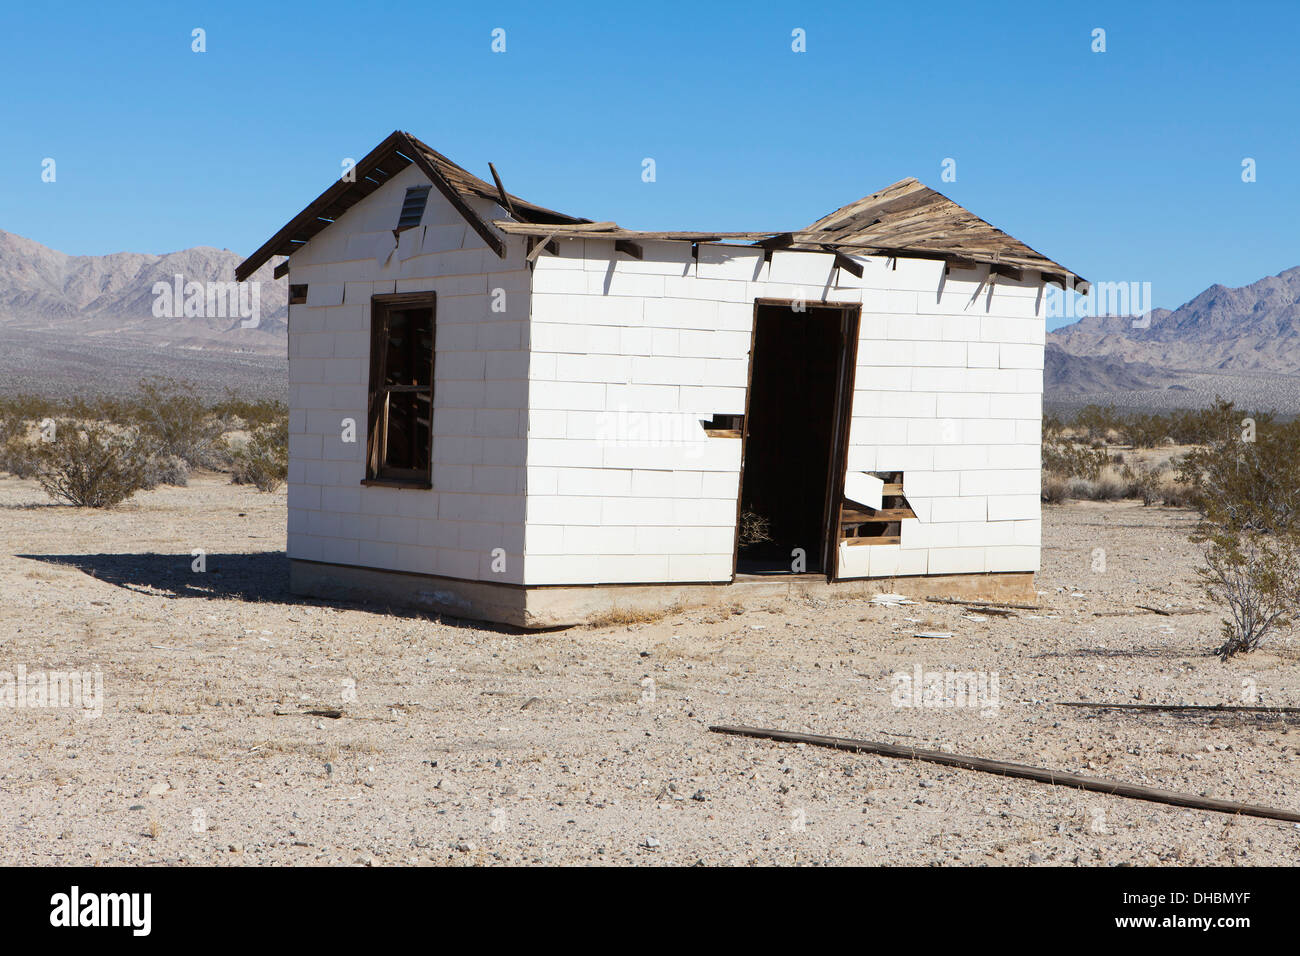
<point x="1123" y="165"/>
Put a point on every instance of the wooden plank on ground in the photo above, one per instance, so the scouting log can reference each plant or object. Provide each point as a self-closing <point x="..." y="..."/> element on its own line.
<point x="1020" y="771"/>
<point x="973" y="602"/>
<point x="1198" y="708"/>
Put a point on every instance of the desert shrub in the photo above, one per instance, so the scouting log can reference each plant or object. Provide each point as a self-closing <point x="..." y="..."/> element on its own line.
<point x="1240" y="485"/>
<point x="16" y="457"/>
<point x="1066" y="459"/>
<point x="1145" y="431"/>
<point x="1097" y="422"/>
<point x="1108" y="488"/>
<point x="1248" y="493"/>
<point x="165" y="470"/>
<point x="1252" y="574"/>
<point x="91" y="466"/>
<point x="262" y="460"/>
<point x="237" y="411"/>
<point x="1053" y="426"/>
<point x="1219" y="422"/>
<point x="27" y="408"/>
<point x="1055" y="489"/>
<point x="1145" y="481"/>
<point x="1102" y="488"/>
<point x="176" y="422"/>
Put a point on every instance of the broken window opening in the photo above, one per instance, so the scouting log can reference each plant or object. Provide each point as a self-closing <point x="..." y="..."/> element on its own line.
<point x="861" y="524"/>
<point x="399" y="440"/>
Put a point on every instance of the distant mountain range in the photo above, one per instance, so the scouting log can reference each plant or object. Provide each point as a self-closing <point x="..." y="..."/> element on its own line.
<point x="113" y="297"/>
<point x="1255" y="328"/>
<point x="1243" y="343"/>
<point x="62" y="311"/>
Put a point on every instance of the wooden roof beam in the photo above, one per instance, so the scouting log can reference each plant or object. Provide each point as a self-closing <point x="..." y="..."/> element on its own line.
<point x="844" y="262"/>
<point x="544" y="244"/>
<point x="506" y="204"/>
<point x="628" y="247"/>
<point x="780" y="241"/>
<point x="476" y="222"/>
<point x="294" y="227"/>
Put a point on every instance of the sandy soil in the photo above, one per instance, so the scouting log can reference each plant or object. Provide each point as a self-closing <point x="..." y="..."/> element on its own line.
<point x="469" y="745"/>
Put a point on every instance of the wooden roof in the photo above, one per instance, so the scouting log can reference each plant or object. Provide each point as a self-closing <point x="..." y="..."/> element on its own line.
<point x="395" y="153"/>
<point x="907" y="219"/>
<point x="913" y="219"/>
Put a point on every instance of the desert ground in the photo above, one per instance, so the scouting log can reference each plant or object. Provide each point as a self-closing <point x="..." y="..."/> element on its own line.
<point x="464" y="744"/>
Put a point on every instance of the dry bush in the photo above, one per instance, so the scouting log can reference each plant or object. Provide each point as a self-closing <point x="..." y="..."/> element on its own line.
<point x="176" y="422"/>
<point x="1254" y="576"/>
<point x="617" y="616"/>
<point x="15" y="452"/>
<point x="239" y="413"/>
<point x="1093" y="423"/>
<point x="90" y="466"/>
<point x="1066" y="459"/>
<point x="1055" y="490"/>
<point x="1242" y="485"/>
<point x="1145" y="481"/>
<point x="754" y="528"/>
<point x="262" y="460"/>
<point x="1105" y="487"/>
<point x="28" y="408"/>
<point x="1108" y="488"/>
<point x="1248" y="493"/>
<point x="16" y="457"/>
<point x="1145" y="431"/>
<point x="166" y="470"/>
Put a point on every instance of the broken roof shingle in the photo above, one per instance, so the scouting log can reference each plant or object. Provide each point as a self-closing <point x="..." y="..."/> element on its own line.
<point x="911" y="218"/>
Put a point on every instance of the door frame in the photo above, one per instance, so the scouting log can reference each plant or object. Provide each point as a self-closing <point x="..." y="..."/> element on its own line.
<point x="846" y="368"/>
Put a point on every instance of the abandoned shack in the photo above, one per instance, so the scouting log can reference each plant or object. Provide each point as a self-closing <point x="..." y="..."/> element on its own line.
<point x="502" y="412"/>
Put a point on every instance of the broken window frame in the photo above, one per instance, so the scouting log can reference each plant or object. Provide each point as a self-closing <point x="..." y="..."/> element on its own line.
<point x="379" y="395"/>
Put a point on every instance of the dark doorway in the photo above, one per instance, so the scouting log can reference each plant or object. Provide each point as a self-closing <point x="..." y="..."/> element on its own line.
<point x="793" y="433"/>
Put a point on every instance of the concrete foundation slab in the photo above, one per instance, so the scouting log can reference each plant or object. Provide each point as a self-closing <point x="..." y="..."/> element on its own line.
<point x="565" y="606"/>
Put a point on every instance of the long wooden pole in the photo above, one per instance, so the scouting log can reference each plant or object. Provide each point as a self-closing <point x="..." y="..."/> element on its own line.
<point x="1199" y="708"/>
<point x="1023" y="771"/>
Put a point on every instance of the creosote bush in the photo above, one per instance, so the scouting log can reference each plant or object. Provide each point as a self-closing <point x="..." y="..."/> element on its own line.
<point x="176" y="422"/>
<point x="1144" y="481"/>
<point x="263" y="460"/>
<point x="1253" y="575"/>
<point x="166" y="470"/>
<point x="90" y="466"/>
<point x="1246" y="484"/>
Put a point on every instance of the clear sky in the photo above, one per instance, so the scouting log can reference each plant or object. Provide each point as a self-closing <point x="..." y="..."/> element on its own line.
<point x="1124" y="165"/>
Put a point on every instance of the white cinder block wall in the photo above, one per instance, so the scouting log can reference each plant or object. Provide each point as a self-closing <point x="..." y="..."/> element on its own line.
<point x="566" y="428"/>
<point x="480" y="390"/>
<point x="948" y="390"/>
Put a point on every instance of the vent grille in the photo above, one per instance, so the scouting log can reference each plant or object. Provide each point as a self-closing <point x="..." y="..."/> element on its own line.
<point x="417" y="197"/>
